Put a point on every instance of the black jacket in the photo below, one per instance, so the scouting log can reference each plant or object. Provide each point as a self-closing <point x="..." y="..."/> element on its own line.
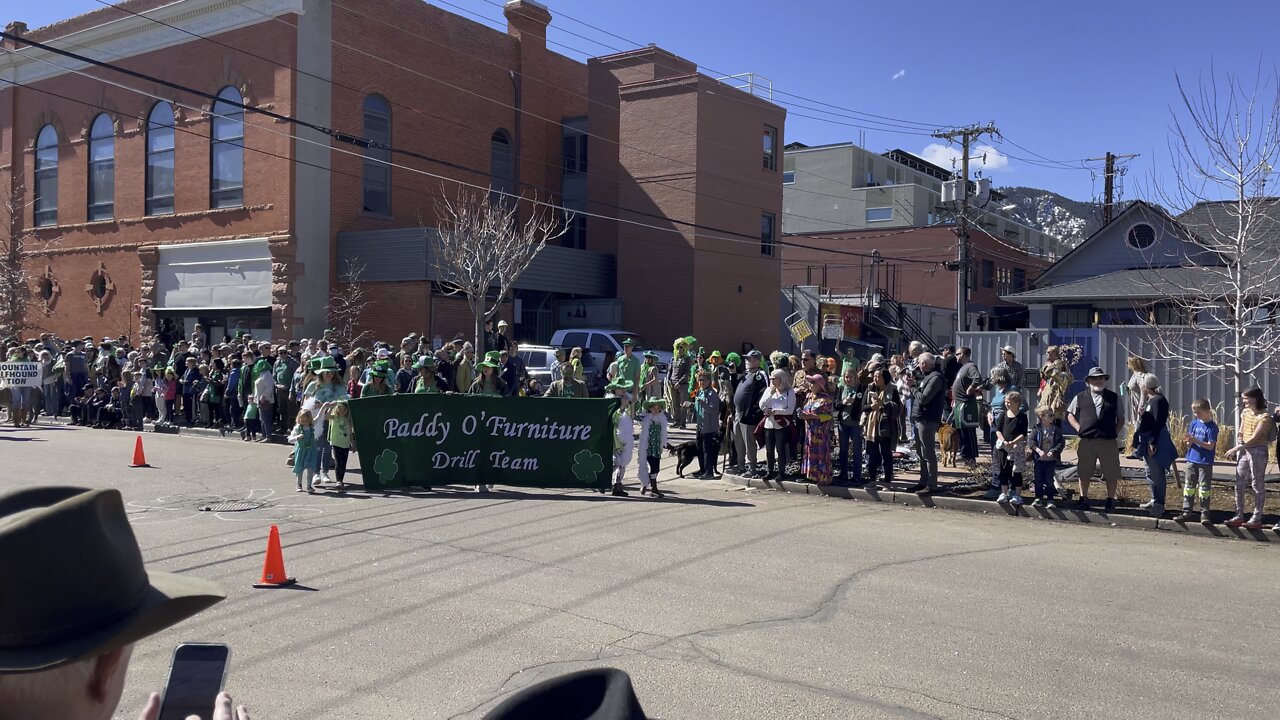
<point x="929" y="396"/>
<point x="746" y="397"/>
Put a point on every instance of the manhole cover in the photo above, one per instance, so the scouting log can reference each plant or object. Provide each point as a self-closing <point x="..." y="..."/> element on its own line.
<point x="231" y="506"/>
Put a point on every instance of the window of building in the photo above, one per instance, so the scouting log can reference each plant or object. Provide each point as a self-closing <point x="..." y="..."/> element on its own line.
<point x="226" y="167"/>
<point x="46" y="169"/>
<point x="102" y="168"/>
<point x="1073" y="317"/>
<point x="1019" y="279"/>
<point x="160" y="160"/>
<point x="1170" y="315"/>
<point x="501" y="167"/>
<point x="767" y="223"/>
<point x="576" y="235"/>
<point x="988" y="274"/>
<point x="575" y="151"/>
<point x="789" y="177"/>
<point x="879" y="214"/>
<point x="770" y="148"/>
<point x="377" y="156"/>
<point x="871" y="173"/>
<point x="1141" y="236"/>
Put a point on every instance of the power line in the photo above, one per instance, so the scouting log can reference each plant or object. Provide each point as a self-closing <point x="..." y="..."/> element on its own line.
<point x="755" y="241"/>
<point x="922" y="126"/>
<point x="416" y="110"/>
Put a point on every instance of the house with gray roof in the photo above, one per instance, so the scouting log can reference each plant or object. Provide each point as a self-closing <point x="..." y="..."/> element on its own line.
<point x="1144" y="265"/>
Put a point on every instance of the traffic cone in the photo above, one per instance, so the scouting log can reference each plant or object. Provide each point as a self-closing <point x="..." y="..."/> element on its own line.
<point x="273" y="574"/>
<point x="139" y="458"/>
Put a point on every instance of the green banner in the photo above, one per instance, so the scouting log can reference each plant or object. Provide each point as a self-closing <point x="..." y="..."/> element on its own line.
<point x="434" y="439"/>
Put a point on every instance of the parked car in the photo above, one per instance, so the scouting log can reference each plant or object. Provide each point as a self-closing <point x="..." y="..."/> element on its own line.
<point x="605" y="345"/>
<point x="539" y="359"/>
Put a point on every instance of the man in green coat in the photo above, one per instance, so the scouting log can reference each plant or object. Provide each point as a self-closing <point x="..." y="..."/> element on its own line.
<point x="627" y="367"/>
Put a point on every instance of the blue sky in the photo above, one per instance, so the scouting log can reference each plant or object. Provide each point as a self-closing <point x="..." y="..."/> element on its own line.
<point x="1063" y="80"/>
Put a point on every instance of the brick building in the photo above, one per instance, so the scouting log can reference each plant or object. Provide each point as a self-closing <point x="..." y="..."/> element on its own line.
<point x="148" y="207"/>
<point x="911" y="271"/>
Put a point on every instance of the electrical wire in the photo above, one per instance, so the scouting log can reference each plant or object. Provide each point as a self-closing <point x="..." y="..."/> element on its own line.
<point x="755" y="241"/>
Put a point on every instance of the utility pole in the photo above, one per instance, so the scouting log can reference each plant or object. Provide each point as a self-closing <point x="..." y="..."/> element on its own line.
<point x="1109" y="182"/>
<point x="966" y="135"/>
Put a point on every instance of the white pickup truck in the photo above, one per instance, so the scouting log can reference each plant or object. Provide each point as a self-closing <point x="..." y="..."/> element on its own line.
<point x="605" y="345"/>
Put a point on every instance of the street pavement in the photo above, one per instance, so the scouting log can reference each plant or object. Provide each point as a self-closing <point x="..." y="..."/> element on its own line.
<point x="721" y="602"/>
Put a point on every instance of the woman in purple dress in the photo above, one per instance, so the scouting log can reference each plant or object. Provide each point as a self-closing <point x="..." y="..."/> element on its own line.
<point x="817" y="412"/>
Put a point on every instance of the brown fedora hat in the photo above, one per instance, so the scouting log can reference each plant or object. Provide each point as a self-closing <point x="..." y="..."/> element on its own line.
<point x="75" y="585"/>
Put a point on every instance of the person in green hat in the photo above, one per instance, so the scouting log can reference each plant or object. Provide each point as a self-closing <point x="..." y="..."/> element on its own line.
<point x="568" y="386"/>
<point x="627" y="367"/>
<point x="653" y="438"/>
<point x="378" y="384"/>
<point x="650" y="382"/>
<point x="677" y="383"/>
<point x="427" y="381"/>
<point x="624" y="432"/>
<point x="317" y="397"/>
<point x="488" y="382"/>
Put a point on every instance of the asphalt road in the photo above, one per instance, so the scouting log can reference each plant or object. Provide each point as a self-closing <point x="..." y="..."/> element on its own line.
<point x="720" y="602"/>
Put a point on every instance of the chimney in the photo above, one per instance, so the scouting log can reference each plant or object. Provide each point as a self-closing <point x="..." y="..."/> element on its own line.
<point x="17" y="27"/>
<point x="527" y="21"/>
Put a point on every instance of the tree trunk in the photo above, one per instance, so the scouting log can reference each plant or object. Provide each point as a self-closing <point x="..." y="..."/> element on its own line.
<point x="480" y="346"/>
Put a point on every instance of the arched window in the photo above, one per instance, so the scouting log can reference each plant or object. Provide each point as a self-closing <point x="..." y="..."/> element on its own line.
<point x="226" y="168"/>
<point x="159" y="200"/>
<point x="102" y="168"/>
<point x="501" y="167"/>
<point x="46" y="193"/>
<point x="377" y="171"/>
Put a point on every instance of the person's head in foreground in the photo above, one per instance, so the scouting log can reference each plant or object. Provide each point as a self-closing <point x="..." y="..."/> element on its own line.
<point x="86" y="599"/>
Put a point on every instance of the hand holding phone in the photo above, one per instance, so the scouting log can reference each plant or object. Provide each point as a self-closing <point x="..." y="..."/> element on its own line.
<point x="195" y="681"/>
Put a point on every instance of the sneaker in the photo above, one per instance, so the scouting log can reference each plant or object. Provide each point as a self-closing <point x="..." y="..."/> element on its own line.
<point x="1235" y="522"/>
<point x="992" y="494"/>
<point x="1110" y="506"/>
<point x="1147" y="505"/>
<point x="1015" y="499"/>
<point x="1082" y="504"/>
<point x="1255" y="523"/>
<point x="1156" y="511"/>
<point x="619" y="492"/>
<point x="1049" y="505"/>
<point x="1038" y="503"/>
<point x="1003" y="498"/>
<point x="1186" y="517"/>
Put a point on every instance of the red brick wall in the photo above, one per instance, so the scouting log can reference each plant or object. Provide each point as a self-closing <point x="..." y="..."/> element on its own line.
<point x="909" y="282"/>
<point x="75" y="247"/>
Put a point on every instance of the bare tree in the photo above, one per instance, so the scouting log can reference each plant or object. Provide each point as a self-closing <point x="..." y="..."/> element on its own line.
<point x="347" y="305"/>
<point x="16" y="244"/>
<point x="483" y="247"/>
<point x="1225" y="148"/>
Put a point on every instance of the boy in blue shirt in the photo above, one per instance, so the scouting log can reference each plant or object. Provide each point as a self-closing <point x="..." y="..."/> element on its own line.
<point x="1202" y="443"/>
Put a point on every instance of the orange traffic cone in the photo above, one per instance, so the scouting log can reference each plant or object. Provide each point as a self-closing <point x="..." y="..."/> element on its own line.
<point x="139" y="458"/>
<point x="273" y="574"/>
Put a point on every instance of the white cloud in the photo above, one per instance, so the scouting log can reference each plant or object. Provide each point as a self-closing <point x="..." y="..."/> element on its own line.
<point x="900" y="73"/>
<point x="982" y="157"/>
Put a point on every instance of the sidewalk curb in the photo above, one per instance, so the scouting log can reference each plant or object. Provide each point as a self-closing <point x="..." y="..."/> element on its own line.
<point x="189" y="431"/>
<point x="946" y="502"/>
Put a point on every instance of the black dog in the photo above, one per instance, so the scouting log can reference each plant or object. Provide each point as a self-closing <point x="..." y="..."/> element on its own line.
<point x="685" y="453"/>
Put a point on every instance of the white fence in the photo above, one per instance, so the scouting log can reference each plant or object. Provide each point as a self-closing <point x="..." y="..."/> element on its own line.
<point x="1109" y="347"/>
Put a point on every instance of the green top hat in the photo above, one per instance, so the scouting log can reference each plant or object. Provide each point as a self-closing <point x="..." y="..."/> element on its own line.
<point x="660" y="402"/>
<point x="427" y="362"/>
<point x="378" y="373"/>
<point x="493" y="356"/>
<point x="628" y="342"/>
<point x="326" y="364"/>
<point x="651" y="354"/>
<point x="620" y="384"/>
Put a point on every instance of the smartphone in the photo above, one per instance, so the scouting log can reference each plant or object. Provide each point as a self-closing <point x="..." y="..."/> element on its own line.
<point x="195" y="679"/>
